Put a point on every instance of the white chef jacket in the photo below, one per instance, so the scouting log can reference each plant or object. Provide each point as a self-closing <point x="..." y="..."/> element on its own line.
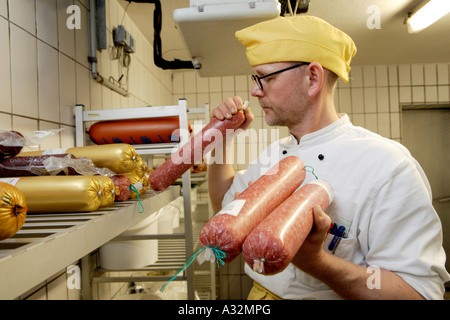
<point x="381" y="196"/>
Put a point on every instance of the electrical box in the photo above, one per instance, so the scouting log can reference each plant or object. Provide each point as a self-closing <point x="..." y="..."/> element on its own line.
<point x="122" y="38"/>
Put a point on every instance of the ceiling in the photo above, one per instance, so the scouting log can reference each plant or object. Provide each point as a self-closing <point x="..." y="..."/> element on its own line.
<point x="390" y="44"/>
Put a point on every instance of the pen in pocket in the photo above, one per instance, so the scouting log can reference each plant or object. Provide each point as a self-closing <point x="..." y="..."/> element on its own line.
<point x="338" y="234"/>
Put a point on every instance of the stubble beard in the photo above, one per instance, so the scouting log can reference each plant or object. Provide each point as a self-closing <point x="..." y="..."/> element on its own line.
<point x="287" y="117"/>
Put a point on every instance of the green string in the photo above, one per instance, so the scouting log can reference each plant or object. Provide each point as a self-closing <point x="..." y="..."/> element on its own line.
<point x="311" y="171"/>
<point x="140" y="206"/>
<point x="219" y="256"/>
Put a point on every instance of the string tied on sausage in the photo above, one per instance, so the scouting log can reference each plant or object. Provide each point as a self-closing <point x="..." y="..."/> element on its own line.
<point x="140" y="207"/>
<point x="219" y="254"/>
<point x="310" y="171"/>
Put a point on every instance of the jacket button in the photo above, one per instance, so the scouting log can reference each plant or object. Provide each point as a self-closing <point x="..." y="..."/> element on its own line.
<point x="321" y="157"/>
<point x="284" y="151"/>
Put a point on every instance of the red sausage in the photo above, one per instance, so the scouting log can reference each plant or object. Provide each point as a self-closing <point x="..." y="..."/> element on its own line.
<point x="272" y="245"/>
<point x="192" y="152"/>
<point x="31" y="165"/>
<point x="11" y="143"/>
<point x="228" y="229"/>
<point x="123" y="183"/>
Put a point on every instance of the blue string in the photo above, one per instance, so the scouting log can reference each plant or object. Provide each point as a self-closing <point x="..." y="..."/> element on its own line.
<point x="140" y="207"/>
<point x="219" y="257"/>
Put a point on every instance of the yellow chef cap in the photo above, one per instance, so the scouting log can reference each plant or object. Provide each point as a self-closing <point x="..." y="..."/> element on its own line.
<point x="299" y="38"/>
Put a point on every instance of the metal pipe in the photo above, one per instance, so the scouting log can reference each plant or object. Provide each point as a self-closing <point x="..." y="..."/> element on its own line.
<point x="92" y="58"/>
<point x="92" y="37"/>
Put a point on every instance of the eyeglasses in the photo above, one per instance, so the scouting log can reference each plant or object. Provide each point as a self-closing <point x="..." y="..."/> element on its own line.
<point x="257" y="79"/>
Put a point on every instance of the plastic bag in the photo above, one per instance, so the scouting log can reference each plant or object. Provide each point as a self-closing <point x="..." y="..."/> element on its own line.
<point x="83" y="166"/>
<point x="12" y="142"/>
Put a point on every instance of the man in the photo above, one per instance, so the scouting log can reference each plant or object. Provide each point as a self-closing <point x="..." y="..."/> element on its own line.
<point x="392" y="247"/>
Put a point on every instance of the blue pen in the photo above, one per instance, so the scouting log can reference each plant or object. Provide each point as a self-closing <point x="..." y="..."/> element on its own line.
<point x="339" y="234"/>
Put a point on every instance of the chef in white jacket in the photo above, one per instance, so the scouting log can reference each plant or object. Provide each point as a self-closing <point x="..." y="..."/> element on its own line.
<point x="392" y="244"/>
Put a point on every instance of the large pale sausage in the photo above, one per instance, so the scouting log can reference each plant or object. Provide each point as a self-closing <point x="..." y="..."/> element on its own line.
<point x="272" y="245"/>
<point x="192" y="152"/>
<point x="228" y="229"/>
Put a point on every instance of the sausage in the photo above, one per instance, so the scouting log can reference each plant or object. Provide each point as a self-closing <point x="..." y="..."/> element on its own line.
<point x="185" y="157"/>
<point x="228" y="229"/>
<point x="136" y="131"/>
<point x="11" y="143"/>
<point x="272" y="245"/>
<point x="123" y="184"/>
<point x="13" y="210"/>
<point x="108" y="190"/>
<point x="118" y="157"/>
<point x="52" y="194"/>
<point x="139" y="184"/>
<point x="30" y="165"/>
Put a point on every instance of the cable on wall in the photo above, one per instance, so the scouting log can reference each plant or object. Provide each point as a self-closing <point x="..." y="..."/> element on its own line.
<point x="157" y="46"/>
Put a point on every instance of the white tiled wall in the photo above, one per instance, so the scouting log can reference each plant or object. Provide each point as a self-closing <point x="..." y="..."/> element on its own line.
<point x="374" y="96"/>
<point x="44" y="72"/>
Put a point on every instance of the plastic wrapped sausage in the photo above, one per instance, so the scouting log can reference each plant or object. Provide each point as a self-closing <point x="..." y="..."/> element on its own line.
<point x="228" y="229"/>
<point x="118" y="157"/>
<point x="108" y="190"/>
<point x="11" y="143"/>
<point x="185" y="157"/>
<point x="49" y="194"/>
<point x="31" y="165"/>
<point x="272" y="245"/>
<point x="13" y="210"/>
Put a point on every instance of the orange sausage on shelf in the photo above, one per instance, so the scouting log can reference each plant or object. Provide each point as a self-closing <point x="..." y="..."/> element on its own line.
<point x="136" y="131"/>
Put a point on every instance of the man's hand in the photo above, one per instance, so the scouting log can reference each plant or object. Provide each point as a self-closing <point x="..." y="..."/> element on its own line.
<point x="311" y="251"/>
<point x="344" y="277"/>
<point x="230" y="106"/>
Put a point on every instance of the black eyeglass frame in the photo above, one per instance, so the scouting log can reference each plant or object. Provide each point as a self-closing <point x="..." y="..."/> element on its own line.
<point x="257" y="79"/>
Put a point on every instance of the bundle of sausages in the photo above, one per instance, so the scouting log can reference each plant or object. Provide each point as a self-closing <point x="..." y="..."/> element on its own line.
<point x="228" y="229"/>
<point x="272" y="245"/>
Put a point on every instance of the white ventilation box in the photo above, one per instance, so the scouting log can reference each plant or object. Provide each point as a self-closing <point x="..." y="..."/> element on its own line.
<point x="207" y="28"/>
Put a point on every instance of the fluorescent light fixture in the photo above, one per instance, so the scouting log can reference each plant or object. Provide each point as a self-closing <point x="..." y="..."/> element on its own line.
<point x="426" y="14"/>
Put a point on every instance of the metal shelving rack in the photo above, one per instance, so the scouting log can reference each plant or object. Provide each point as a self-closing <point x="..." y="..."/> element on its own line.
<point x="180" y="110"/>
<point x="49" y="243"/>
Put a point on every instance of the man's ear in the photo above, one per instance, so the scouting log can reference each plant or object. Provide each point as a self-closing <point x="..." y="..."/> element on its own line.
<point x="316" y="75"/>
